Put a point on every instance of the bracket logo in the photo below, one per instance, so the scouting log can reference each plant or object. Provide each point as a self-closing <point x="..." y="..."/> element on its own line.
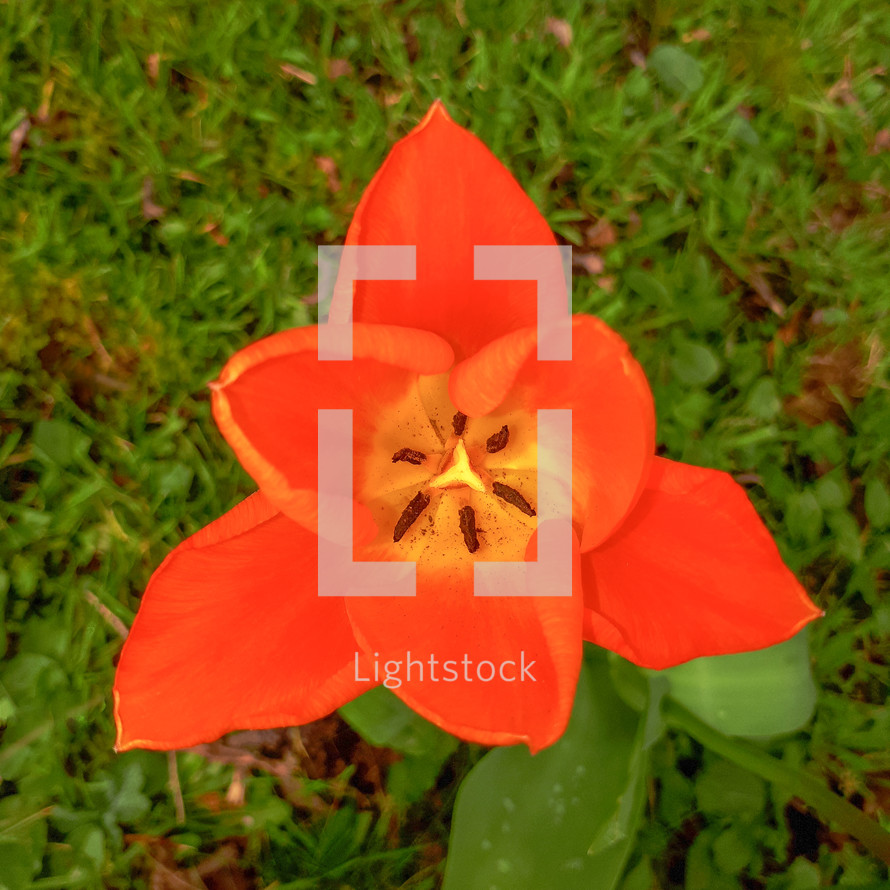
<point x="339" y="267"/>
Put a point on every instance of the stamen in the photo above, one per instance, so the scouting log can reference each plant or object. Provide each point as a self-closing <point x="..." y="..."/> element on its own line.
<point x="498" y="441"/>
<point x="409" y="455"/>
<point x="459" y="423"/>
<point x="418" y="504"/>
<point x="468" y="528"/>
<point x="512" y="496"/>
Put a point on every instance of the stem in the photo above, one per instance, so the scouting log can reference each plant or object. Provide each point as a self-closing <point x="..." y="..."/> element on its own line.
<point x="801" y="784"/>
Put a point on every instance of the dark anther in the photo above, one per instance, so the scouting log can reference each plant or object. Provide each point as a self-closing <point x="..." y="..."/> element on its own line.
<point x="418" y="504"/>
<point x="459" y="423"/>
<point x="409" y="455"/>
<point x="468" y="528"/>
<point x="512" y="496"/>
<point x="498" y="441"/>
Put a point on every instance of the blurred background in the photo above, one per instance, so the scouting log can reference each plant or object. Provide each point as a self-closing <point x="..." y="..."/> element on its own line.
<point x="167" y="169"/>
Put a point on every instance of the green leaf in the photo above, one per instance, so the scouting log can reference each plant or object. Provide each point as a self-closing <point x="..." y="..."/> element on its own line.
<point x="803" y="516"/>
<point x="640" y="877"/>
<point x="408" y="779"/>
<point x="832" y="492"/>
<point x="752" y="694"/>
<point x="264" y="116"/>
<point x="725" y="789"/>
<point x="676" y="69"/>
<point x="803" y="875"/>
<point x="171" y="477"/>
<point x="701" y="871"/>
<point x="643" y="690"/>
<point x="676" y="799"/>
<point x="16" y="866"/>
<point x="512" y="15"/>
<point x="694" y="364"/>
<point x="732" y="849"/>
<point x="59" y="441"/>
<point x="846" y="533"/>
<point x="763" y="400"/>
<point x="741" y="129"/>
<point x="89" y="842"/>
<point x="646" y="285"/>
<point x="22" y="842"/>
<point x="121" y="794"/>
<point x="523" y="822"/>
<point x="384" y="720"/>
<point x="877" y="503"/>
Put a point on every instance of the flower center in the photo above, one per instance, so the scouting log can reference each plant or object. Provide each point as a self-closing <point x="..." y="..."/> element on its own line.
<point x="446" y="488"/>
<point x="459" y="471"/>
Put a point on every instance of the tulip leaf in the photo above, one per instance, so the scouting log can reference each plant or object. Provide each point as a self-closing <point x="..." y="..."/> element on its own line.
<point x="753" y="694"/>
<point x="564" y="817"/>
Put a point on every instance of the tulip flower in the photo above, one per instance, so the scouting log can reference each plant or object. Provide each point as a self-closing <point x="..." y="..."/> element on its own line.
<point x="669" y="561"/>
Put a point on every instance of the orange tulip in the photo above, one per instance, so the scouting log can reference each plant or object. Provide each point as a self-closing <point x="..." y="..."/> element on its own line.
<point x="670" y="561"/>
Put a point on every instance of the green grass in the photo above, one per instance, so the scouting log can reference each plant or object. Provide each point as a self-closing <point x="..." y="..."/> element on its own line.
<point x="740" y="191"/>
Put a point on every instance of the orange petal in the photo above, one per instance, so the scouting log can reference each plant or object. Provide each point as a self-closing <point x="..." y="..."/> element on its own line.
<point x="267" y="398"/>
<point x="442" y="190"/>
<point x="446" y="621"/>
<point x="231" y="635"/>
<point x="692" y="571"/>
<point x="613" y="415"/>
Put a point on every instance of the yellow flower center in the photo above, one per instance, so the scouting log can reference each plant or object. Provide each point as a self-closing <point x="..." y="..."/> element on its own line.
<point x="445" y="488"/>
<point x="459" y="471"/>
